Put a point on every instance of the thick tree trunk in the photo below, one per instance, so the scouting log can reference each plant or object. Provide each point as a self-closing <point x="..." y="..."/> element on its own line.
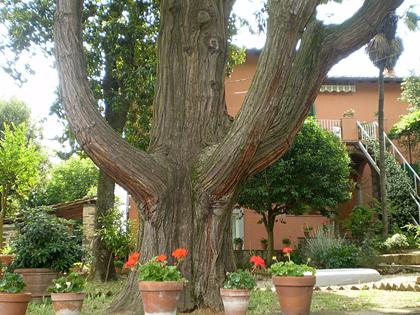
<point x="104" y="269"/>
<point x="382" y="166"/>
<point x="188" y="181"/>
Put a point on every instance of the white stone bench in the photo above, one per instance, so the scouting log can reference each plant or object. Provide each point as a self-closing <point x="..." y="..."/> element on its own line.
<point x="334" y="277"/>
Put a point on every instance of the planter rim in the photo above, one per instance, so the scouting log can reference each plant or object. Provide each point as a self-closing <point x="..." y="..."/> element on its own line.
<point x="35" y="270"/>
<point x="15" y="297"/>
<point x="235" y="292"/>
<point x="161" y="285"/>
<point x="71" y="296"/>
<point x="304" y="281"/>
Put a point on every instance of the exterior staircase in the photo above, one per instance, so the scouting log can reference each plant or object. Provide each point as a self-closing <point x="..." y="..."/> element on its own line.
<point x="368" y="135"/>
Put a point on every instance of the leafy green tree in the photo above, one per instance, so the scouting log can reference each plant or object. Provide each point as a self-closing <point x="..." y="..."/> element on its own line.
<point x="20" y="162"/>
<point x="407" y="129"/>
<point x="14" y="111"/>
<point x="69" y="180"/>
<point x="188" y="179"/>
<point x="312" y="175"/>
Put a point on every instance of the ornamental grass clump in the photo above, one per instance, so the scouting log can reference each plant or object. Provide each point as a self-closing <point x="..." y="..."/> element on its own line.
<point x="158" y="268"/>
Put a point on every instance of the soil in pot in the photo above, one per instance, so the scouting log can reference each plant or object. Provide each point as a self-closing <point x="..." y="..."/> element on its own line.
<point x="235" y="302"/>
<point x="67" y="303"/>
<point x="294" y="294"/>
<point x="37" y="281"/>
<point x="14" y="303"/>
<point x="160" y="297"/>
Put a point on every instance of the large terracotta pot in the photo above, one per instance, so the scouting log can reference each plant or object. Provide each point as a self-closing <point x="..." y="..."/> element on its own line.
<point x="67" y="303"/>
<point x="14" y="303"/>
<point x="160" y="297"/>
<point x="294" y="294"/>
<point x="37" y="281"/>
<point x="235" y="302"/>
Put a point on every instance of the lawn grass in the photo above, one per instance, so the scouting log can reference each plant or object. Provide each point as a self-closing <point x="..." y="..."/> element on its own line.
<point x="262" y="302"/>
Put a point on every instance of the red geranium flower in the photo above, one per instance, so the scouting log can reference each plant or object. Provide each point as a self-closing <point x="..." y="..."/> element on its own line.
<point x="287" y="250"/>
<point x="161" y="258"/>
<point x="132" y="260"/>
<point x="257" y="261"/>
<point x="180" y="253"/>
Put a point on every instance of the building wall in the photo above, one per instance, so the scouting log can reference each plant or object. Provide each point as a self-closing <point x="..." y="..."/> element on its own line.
<point x="328" y="105"/>
<point x="290" y="227"/>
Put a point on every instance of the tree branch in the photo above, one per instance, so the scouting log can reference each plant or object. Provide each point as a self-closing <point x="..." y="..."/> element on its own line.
<point x="224" y="166"/>
<point x="138" y="172"/>
<point x="321" y="48"/>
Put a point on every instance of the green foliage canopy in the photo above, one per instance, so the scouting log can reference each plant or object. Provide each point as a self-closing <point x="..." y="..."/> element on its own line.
<point x="69" y="180"/>
<point x="14" y="111"/>
<point x="313" y="174"/>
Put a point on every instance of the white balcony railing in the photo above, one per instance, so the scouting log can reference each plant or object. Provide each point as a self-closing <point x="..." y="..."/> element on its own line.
<point x="333" y="125"/>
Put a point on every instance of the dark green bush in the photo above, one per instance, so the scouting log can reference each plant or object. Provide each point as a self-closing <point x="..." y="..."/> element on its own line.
<point x="339" y="256"/>
<point x="363" y="221"/>
<point x="45" y="241"/>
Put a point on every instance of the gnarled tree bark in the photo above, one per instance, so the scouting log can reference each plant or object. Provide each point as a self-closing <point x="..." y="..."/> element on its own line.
<point x="189" y="179"/>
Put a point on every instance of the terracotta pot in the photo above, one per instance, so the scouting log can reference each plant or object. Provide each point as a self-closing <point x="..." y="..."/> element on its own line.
<point x="235" y="302"/>
<point x="67" y="303"/>
<point x="14" y="303"/>
<point x="37" y="281"/>
<point x="6" y="259"/>
<point x="294" y="294"/>
<point x="160" y="297"/>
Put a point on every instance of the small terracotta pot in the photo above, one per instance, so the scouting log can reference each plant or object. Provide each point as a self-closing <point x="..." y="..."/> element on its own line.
<point x="235" y="302"/>
<point x="67" y="303"/>
<point x="160" y="297"/>
<point x="14" y="303"/>
<point x="37" y="281"/>
<point x="294" y="294"/>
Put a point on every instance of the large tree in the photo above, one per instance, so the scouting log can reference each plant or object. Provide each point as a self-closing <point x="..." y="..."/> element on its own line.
<point x="189" y="177"/>
<point x="314" y="174"/>
<point x="20" y="164"/>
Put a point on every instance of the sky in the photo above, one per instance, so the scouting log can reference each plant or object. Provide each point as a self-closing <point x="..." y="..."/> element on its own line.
<point x="39" y="91"/>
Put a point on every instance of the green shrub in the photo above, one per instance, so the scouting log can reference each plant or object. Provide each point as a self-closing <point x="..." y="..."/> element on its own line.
<point x="45" y="241"/>
<point x="240" y="279"/>
<point x="12" y="283"/>
<point x="328" y="250"/>
<point x="396" y="242"/>
<point x="340" y="256"/>
<point x="154" y="270"/>
<point x="363" y="221"/>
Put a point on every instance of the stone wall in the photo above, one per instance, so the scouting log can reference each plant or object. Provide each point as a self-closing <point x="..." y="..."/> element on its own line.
<point x="88" y="224"/>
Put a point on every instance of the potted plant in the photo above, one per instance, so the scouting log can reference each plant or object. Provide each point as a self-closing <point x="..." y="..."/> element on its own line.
<point x="286" y="242"/>
<point x="12" y="300"/>
<point x="238" y="242"/>
<point x="307" y="230"/>
<point x="119" y="264"/>
<point x="294" y="285"/>
<point x="237" y="288"/>
<point x="67" y="294"/>
<point x="264" y="243"/>
<point x="160" y="283"/>
<point x="44" y="246"/>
